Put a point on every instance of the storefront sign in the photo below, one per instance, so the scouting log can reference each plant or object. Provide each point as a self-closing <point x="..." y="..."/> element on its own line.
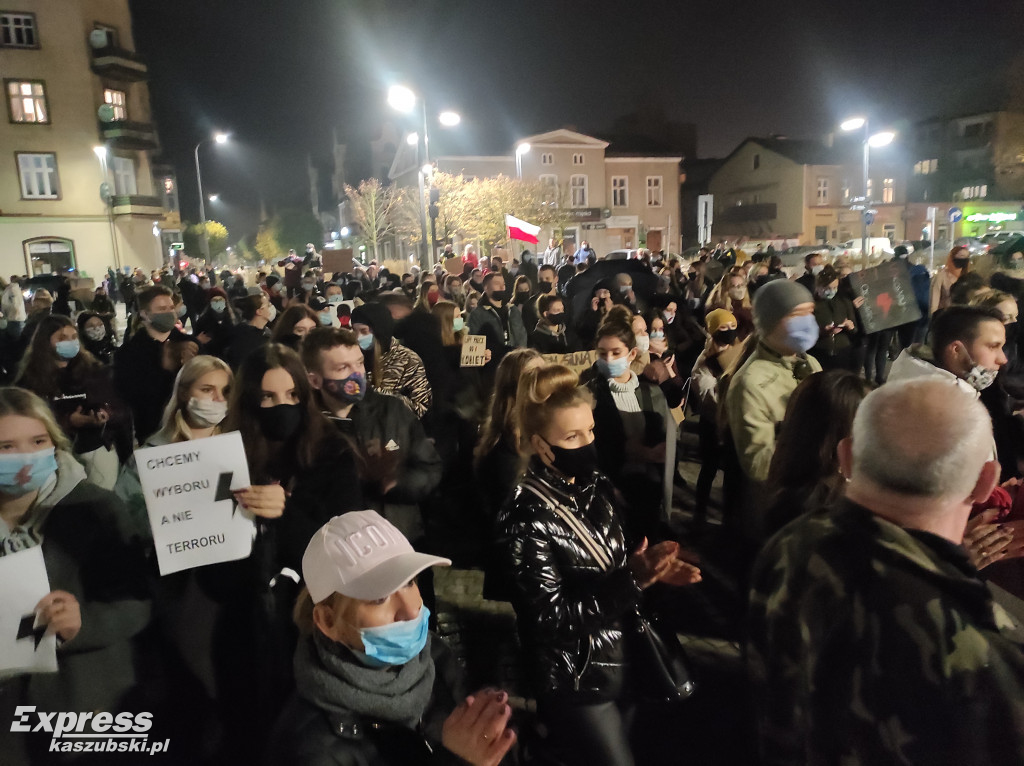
<point x="992" y="217"/>
<point x="594" y="226"/>
<point x="584" y="214"/>
<point x="622" y="221"/>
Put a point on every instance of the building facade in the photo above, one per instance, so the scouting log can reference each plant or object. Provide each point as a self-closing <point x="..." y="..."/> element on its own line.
<point x="77" y="186"/>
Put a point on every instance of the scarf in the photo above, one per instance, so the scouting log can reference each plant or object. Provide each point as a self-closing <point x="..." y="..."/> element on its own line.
<point x="624" y="394"/>
<point x="328" y="676"/>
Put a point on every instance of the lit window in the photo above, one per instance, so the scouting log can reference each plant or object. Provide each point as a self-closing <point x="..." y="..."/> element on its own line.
<point x="547" y="158"/>
<point x="27" y="101"/>
<point x="974" y="192"/>
<point x="119" y="101"/>
<point x="18" y="30"/>
<point x="577" y="159"/>
<point x="888" y="190"/>
<point x="620" y="191"/>
<point x="578" y="191"/>
<point x="822" y="191"/>
<point x="550" y="185"/>
<point x="124" y="176"/>
<point x="653" y="191"/>
<point x="38" y="174"/>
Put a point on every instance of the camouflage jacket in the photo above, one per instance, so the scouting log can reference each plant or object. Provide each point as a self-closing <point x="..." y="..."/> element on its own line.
<point x="874" y="644"/>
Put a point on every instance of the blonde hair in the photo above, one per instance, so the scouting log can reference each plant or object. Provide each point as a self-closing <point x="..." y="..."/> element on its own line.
<point x="344" y="607"/>
<point x="21" y="401"/>
<point x="500" y="421"/>
<point x="174" y="426"/>
<point x="542" y="392"/>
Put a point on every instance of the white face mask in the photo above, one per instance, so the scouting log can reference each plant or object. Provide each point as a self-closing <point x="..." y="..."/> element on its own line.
<point x="96" y="333"/>
<point x="273" y="313"/>
<point x="817" y="269"/>
<point x="643" y="342"/>
<point x="207" y="413"/>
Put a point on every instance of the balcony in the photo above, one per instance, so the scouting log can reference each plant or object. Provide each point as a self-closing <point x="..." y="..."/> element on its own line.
<point x="118" y="64"/>
<point x="123" y="134"/>
<point x="137" y="204"/>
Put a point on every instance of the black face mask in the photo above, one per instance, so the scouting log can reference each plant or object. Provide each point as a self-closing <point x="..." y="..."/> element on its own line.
<point x="522" y="297"/>
<point x="961" y="262"/>
<point x="556" y="319"/>
<point x="280" y="422"/>
<point x="545" y="287"/>
<point x="496" y="298"/>
<point x="579" y="463"/>
<point x="724" y="337"/>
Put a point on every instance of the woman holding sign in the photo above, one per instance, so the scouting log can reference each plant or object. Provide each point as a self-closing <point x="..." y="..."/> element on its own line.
<point x="98" y="600"/>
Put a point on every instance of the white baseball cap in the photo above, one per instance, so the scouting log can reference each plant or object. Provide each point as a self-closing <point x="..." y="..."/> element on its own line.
<point x="363" y="555"/>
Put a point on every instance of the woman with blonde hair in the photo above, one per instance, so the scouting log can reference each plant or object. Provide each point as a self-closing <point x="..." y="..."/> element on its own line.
<point x="733" y="295"/>
<point x="198" y="403"/>
<point x="574" y="585"/>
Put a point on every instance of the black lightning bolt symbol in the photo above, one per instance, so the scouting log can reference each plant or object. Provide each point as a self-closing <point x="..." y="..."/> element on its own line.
<point x="26" y="629"/>
<point x="224" y="491"/>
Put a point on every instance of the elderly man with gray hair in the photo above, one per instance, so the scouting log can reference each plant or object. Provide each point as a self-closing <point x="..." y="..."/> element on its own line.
<point x="872" y="639"/>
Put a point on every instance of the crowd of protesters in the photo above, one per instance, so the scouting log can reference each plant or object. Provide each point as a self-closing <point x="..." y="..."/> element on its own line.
<point x="870" y="507"/>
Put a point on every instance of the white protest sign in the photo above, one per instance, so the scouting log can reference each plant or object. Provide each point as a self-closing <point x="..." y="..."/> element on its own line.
<point x="474" y="350"/>
<point x="25" y="647"/>
<point x="194" y="516"/>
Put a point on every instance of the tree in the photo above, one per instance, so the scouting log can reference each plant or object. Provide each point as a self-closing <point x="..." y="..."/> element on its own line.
<point x="294" y="227"/>
<point x="267" y="245"/>
<point x="375" y="207"/>
<point x="216" y="235"/>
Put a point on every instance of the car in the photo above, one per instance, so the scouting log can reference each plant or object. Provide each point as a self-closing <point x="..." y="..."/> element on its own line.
<point x="793" y="257"/>
<point x="876" y="246"/>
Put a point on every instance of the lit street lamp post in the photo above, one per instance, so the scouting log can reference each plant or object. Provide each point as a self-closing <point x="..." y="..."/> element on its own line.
<point x="522" y="149"/>
<point x="879" y="139"/>
<point x="218" y="138"/>
<point x="101" y="153"/>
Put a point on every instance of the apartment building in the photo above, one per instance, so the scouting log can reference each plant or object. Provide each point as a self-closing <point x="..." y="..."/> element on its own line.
<point x="77" y="187"/>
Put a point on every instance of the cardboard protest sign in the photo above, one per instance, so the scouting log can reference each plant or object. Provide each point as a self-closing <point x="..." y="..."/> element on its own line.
<point x="25" y="646"/>
<point x="337" y="261"/>
<point x="888" y="296"/>
<point x="577" y="361"/>
<point x="188" y="488"/>
<point x="474" y="351"/>
<point x="453" y="266"/>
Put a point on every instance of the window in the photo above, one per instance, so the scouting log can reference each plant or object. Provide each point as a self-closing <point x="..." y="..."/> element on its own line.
<point x="18" y="30"/>
<point x="888" y="190"/>
<point x="822" y="191"/>
<point x="38" y="176"/>
<point x="550" y="184"/>
<point x="869" y="190"/>
<point x="50" y="254"/>
<point x="110" y="32"/>
<point x="124" y="176"/>
<point x="926" y="167"/>
<point x="653" y="191"/>
<point x="547" y="158"/>
<point x="757" y="161"/>
<point x="26" y="101"/>
<point x="975" y="129"/>
<point x="578" y="191"/>
<point x="974" y="192"/>
<point x="118" y="100"/>
<point x="620" y="191"/>
<point x="577" y="158"/>
<point x="170" y="193"/>
<point x="846" y="190"/>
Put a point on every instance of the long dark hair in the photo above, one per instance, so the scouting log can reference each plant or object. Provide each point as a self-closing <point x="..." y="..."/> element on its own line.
<point x="272" y="460"/>
<point x="290" y="317"/>
<point x="39" y="372"/>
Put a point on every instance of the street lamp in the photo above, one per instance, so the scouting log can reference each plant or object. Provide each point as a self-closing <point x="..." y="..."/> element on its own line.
<point x="449" y="119"/>
<point x="522" y="149"/>
<point x="878" y="139"/>
<point x="213" y="197"/>
<point x="218" y="138"/>
<point x="101" y="153"/>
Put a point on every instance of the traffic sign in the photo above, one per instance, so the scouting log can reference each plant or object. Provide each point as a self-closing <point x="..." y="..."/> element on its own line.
<point x="955" y="214"/>
<point x="869" y="217"/>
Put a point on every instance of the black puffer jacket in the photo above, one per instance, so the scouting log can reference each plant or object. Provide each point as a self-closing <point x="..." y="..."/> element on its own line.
<point x="570" y="612"/>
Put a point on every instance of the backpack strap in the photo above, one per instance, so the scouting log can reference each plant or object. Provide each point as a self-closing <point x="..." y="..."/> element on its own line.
<point x="601" y="556"/>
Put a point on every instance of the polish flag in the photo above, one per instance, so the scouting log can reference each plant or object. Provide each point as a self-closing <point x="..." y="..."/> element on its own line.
<point x="521" y="230"/>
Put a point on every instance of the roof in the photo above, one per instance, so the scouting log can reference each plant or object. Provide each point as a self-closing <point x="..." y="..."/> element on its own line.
<point x="563" y="137"/>
<point x="800" y="151"/>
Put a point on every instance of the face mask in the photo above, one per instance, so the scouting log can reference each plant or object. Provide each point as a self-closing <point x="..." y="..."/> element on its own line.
<point x="657" y="335"/>
<point x="279" y="422"/>
<point x="433" y="298"/>
<point x="273" y="313"/>
<point x="96" y="333"/>
<point x="181" y="310"/>
<point x="205" y="286"/>
<point x="829" y="294"/>
<point x="458" y="324"/>
<point x="218" y="306"/>
<point x="351" y="389"/>
<point x="514" y="270"/>
<point x="801" y="333"/>
<point x="545" y="287"/>
<point x="334" y="300"/>
<point x="163" y="321"/>
<point x="669" y="317"/>
<point x="625" y="288"/>
<point x="68" y="349"/>
<point x="643" y="342"/>
<point x="206" y="413"/>
<point x="278" y="288"/>
<point x="737" y="293"/>
<point x="308" y="286"/>
<point x="496" y="298"/>
<point x="613" y="368"/>
<point x="556" y="319"/>
<point x="16" y="481"/>
<point x="397" y="643"/>
<point x="724" y="337"/>
<point x="522" y="297"/>
<point x="366" y="342"/>
<point x="325" y="319"/>
<point x="961" y="262"/>
<point x="579" y="463"/>
<point x="817" y="269"/>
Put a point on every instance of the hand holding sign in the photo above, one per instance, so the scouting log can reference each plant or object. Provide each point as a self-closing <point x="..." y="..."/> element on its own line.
<point x="474" y="351"/>
<point x="266" y="500"/>
<point x="27" y="609"/>
<point x="60" y="613"/>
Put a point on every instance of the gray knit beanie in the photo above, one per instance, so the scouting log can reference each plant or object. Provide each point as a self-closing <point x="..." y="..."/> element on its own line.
<point x="774" y="300"/>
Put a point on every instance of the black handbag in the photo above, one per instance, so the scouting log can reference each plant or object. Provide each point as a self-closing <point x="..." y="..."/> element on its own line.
<point x="658" y="663"/>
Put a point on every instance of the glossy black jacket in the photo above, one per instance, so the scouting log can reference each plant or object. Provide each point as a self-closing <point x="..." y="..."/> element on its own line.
<point x="570" y="611"/>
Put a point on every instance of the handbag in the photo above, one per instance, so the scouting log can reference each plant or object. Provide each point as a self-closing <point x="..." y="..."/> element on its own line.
<point x="656" y="660"/>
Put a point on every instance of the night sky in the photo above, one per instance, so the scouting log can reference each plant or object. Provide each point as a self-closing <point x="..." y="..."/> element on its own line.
<point x="281" y="75"/>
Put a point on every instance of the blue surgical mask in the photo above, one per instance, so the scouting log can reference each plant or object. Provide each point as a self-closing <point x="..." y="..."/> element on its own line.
<point x="68" y="349"/>
<point x="613" y="368"/>
<point x="334" y="300"/>
<point x="366" y="342"/>
<point x="657" y="335"/>
<point x="24" y="472"/>
<point x="829" y="294"/>
<point x="801" y="332"/>
<point x="397" y="643"/>
<point x="325" y="318"/>
<point x="218" y="306"/>
<point x="459" y="324"/>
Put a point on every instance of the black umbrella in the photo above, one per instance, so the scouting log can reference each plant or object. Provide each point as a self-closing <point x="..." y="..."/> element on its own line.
<point x="580" y="289"/>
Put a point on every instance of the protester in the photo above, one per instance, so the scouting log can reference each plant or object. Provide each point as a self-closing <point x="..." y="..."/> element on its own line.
<point x="293" y="325"/>
<point x="97" y="335"/>
<point x="499" y="322"/>
<point x="836" y="324"/>
<point x="256" y="312"/>
<point x="732" y="295"/>
<point x="549" y="336"/>
<point x="391" y="367"/>
<point x="958" y="263"/>
<point x="213" y="326"/>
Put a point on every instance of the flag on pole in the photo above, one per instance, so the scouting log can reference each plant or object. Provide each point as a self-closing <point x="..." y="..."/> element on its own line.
<point x="521" y="230"/>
